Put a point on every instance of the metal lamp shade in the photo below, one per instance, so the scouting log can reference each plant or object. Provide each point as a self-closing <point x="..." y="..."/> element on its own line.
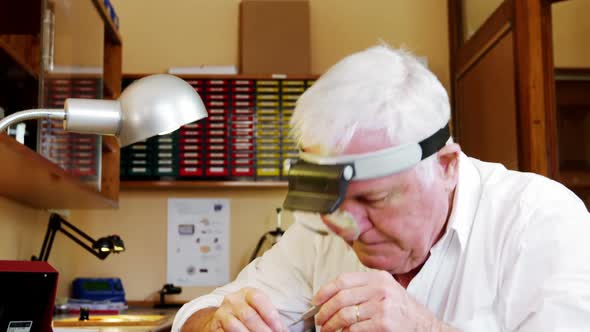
<point x="150" y="106"/>
<point x="157" y="104"/>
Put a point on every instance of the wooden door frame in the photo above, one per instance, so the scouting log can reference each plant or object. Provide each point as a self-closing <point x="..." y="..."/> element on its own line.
<point x="530" y="21"/>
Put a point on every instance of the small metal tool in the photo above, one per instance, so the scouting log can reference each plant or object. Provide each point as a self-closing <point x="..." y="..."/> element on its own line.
<point x="307" y="314"/>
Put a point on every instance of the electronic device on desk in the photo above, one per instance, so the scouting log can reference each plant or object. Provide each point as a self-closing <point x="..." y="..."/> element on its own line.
<point x="98" y="295"/>
<point x="27" y="296"/>
<point x="98" y="289"/>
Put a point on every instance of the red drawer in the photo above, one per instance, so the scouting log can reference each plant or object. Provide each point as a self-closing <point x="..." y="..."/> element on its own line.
<point x="190" y="162"/>
<point x="216" y="171"/>
<point x="191" y="140"/>
<point x="190" y="132"/>
<point x="216" y="155"/>
<point x="191" y="147"/>
<point x="216" y="103"/>
<point x="243" y="111"/>
<point x="217" y="111"/>
<point x="190" y="155"/>
<point x="243" y="103"/>
<point x="242" y="155"/>
<point x="195" y="125"/>
<point x="191" y="171"/>
<point x="243" y="171"/>
<point x="242" y="162"/>
<point x="216" y="125"/>
<point x="217" y="89"/>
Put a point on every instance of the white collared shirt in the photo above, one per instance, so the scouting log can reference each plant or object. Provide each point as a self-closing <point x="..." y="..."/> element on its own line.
<point x="515" y="257"/>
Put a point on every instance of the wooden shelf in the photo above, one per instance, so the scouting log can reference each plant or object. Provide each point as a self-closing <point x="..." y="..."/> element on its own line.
<point x="29" y="178"/>
<point x="23" y="50"/>
<point x="165" y="185"/>
<point x="112" y="33"/>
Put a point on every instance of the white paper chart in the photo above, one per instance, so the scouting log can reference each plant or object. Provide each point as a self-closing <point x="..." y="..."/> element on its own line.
<point x="198" y="241"/>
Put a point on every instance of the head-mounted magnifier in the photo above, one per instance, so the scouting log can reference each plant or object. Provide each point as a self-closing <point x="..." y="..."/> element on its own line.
<point x="318" y="184"/>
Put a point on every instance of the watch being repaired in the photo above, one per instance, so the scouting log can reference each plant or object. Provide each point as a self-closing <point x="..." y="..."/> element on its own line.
<point x="319" y="183"/>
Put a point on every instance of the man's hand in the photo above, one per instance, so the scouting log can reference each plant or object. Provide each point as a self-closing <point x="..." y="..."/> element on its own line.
<point x="371" y="301"/>
<point x="246" y="310"/>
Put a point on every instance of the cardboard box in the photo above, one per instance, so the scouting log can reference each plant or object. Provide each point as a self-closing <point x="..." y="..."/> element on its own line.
<point x="274" y="37"/>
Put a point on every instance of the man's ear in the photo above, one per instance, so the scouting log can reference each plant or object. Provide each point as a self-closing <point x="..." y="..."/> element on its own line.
<point x="448" y="159"/>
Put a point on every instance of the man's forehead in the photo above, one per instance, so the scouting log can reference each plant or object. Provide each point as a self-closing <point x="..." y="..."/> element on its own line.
<point x="362" y="141"/>
<point x="375" y="186"/>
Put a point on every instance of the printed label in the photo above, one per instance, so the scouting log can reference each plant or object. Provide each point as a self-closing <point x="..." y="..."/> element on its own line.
<point x="19" y="326"/>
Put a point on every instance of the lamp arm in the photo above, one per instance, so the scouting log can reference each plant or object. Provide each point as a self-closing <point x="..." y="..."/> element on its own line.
<point x="101" y="255"/>
<point x="52" y="228"/>
<point x="75" y="229"/>
<point x="54" y="114"/>
<point x="57" y="223"/>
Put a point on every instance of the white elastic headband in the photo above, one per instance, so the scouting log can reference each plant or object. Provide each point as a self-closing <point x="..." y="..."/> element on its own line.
<point x="373" y="164"/>
<point x="386" y="161"/>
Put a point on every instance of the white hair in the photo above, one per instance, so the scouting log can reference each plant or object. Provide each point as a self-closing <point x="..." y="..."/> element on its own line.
<point x="377" y="89"/>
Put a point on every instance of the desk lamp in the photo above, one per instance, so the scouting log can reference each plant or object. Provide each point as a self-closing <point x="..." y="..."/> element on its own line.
<point x="100" y="248"/>
<point x="155" y="104"/>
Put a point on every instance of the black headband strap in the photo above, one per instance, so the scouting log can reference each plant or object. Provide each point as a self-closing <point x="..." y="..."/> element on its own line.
<point x="435" y="142"/>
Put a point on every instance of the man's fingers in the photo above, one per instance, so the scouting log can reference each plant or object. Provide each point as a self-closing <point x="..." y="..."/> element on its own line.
<point x="229" y="322"/>
<point x="264" y="307"/>
<point x="344" y="318"/>
<point x="367" y="325"/>
<point x="248" y="309"/>
<point x="249" y="317"/>
<point x="346" y="298"/>
<point x="344" y="281"/>
<point x="354" y="318"/>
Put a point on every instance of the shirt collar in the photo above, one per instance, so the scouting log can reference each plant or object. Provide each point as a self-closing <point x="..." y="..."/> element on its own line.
<point x="466" y="200"/>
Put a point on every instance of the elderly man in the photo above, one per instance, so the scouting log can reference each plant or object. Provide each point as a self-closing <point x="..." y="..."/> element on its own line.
<point x="422" y="237"/>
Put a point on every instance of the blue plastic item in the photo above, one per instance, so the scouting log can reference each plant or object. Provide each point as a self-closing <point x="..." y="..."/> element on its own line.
<point x="98" y="289"/>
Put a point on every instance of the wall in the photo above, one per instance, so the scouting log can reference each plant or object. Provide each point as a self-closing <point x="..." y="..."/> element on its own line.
<point x="159" y="34"/>
<point x="475" y="13"/>
<point x="571" y="29"/>
<point x="78" y="34"/>
<point x="19" y="229"/>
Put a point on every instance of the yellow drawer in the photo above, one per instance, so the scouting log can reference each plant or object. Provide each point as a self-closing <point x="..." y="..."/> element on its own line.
<point x="267" y="155"/>
<point x="268" y="103"/>
<point x="267" y="141"/>
<point x="268" y="163"/>
<point x="268" y="147"/>
<point x="293" y="83"/>
<point x="271" y="133"/>
<point x="294" y="90"/>
<point x="267" y="111"/>
<point x="268" y="118"/>
<point x="267" y="83"/>
<point x="267" y="89"/>
<point x="290" y="97"/>
<point x="268" y="171"/>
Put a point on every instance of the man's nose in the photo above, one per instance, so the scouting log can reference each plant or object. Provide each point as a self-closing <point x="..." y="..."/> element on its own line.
<point x="359" y="211"/>
<point x="347" y="221"/>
